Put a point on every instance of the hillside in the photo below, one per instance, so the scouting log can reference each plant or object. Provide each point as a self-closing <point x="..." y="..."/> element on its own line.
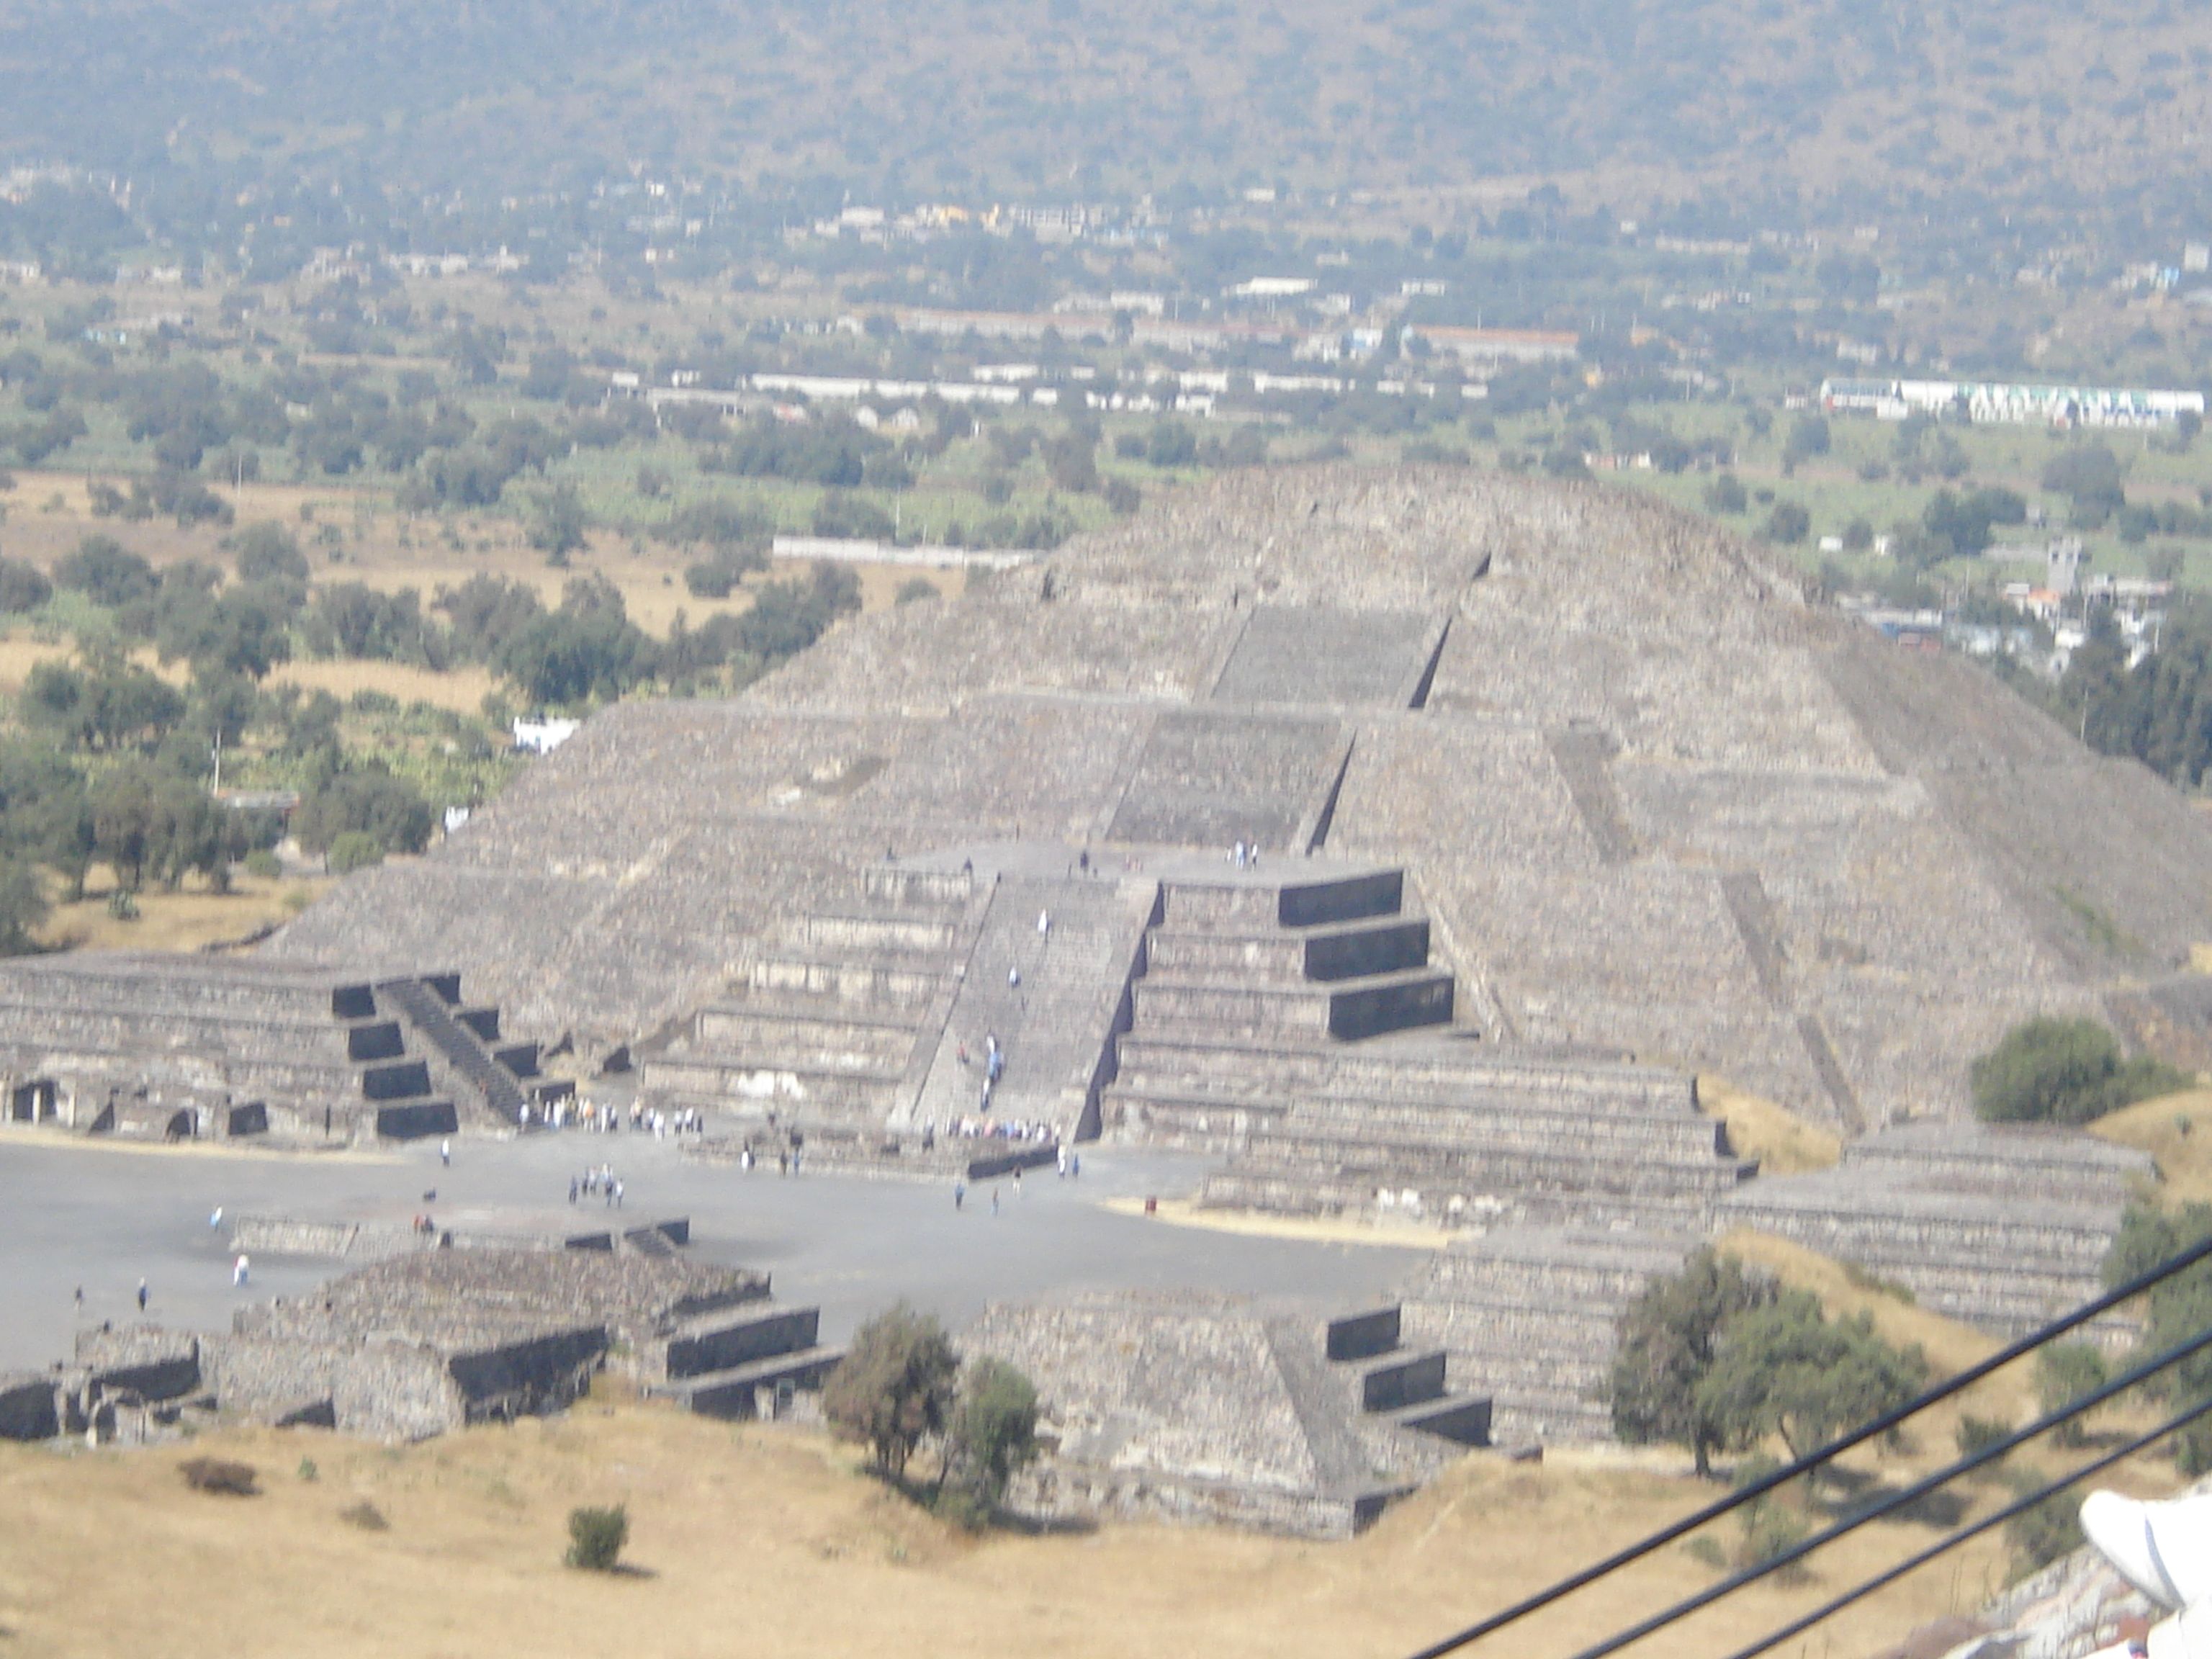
<point x="1076" y="98"/>
<point x="770" y="1533"/>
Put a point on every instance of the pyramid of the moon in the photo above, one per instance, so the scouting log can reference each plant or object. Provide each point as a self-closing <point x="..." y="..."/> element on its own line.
<point x="1529" y="770"/>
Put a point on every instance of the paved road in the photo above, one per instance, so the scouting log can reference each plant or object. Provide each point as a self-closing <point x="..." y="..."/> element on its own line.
<point x="103" y="1218"/>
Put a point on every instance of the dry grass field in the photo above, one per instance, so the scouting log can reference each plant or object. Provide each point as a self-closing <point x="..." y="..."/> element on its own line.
<point x="1784" y="1143"/>
<point x="183" y="920"/>
<point x="766" y="1542"/>
<point x="2176" y="1130"/>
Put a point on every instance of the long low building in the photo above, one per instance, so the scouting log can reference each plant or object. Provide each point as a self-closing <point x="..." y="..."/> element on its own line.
<point x="2008" y="404"/>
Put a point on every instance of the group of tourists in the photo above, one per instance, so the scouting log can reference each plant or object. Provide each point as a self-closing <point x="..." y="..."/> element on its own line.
<point x="592" y="1118"/>
<point x="787" y="1157"/>
<point x="600" y="1181"/>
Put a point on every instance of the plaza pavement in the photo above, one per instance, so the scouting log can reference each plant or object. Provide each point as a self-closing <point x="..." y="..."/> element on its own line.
<point x="102" y="1217"/>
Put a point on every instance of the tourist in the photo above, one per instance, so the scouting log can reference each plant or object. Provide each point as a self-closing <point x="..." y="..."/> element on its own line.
<point x="1013" y="977"/>
<point x="446" y="1153"/>
<point x="995" y="1200"/>
<point x="80" y="1302"/>
<point x="959" y="1193"/>
<point x="618" y="1195"/>
<point x="1059" y="1161"/>
<point x="1044" y="923"/>
<point x="239" y="1271"/>
<point x="142" y="1296"/>
<point x="745" y="1157"/>
<point x="215" y="1220"/>
<point x="572" y="1189"/>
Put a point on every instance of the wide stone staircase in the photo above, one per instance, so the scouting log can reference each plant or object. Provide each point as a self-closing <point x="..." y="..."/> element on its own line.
<point x="859" y="1034"/>
<point x="1405" y="1386"/>
<point x="1048" y="980"/>
<point x="1299" y="1028"/>
<point x="1528" y="1317"/>
<point x="834" y="1019"/>
<point x="462" y="1044"/>
<point x="1333" y="958"/>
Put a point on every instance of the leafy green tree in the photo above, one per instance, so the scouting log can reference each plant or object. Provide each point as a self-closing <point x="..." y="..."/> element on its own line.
<point x="46" y="815"/>
<point x="787" y="617"/>
<point x="992" y="1433"/>
<point x="1809" y="437"/>
<point x="263" y="552"/>
<point x="894" y="1389"/>
<point x="717" y="575"/>
<point x="2065" y="1372"/>
<point x="1172" y="443"/>
<point x="352" y="850"/>
<point x="244" y="630"/>
<point x="1726" y="494"/>
<point x="22" y="586"/>
<point x="486" y="614"/>
<point x="557" y="522"/>
<point x="588" y="649"/>
<point x="2175" y="1311"/>
<point x="2091" y="477"/>
<point x="389" y="811"/>
<point x="106" y="706"/>
<point x="1787" y="1369"/>
<point x="1667" y="1341"/>
<point x="2062" y="1071"/>
<point x="1787" y="525"/>
<point x="106" y="572"/>
<point x="22" y="906"/>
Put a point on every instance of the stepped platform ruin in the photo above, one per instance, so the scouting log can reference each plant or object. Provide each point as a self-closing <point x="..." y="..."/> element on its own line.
<point x="428" y="1341"/>
<point x="1407" y="842"/>
<point x="1203" y="1408"/>
<point x="189" y="1047"/>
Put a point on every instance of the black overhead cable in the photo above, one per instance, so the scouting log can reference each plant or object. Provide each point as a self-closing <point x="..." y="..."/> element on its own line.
<point x="1798" y="1625"/>
<point x="1901" y="1498"/>
<point x="1880" y="1425"/>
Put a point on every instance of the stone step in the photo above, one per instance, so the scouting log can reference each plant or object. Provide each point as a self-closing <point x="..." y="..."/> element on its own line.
<point x="1931" y="1227"/>
<point x="732" y="1393"/>
<point x="829" y="1037"/>
<point x="1345" y="1010"/>
<point x="1409" y="1379"/>
<point x="728" y="1084"/>
<point x="1549" y="1419"/>
<point x="886" y="980"/>
<point x="1461" y="1418"/>
<point x="1387" y="945"/>
<point x="1484" y="1120"/>
<point x="1464" y="1278"/>
<point x="1467" y="1167"/>
<point x="899" y="930"/>
<point x="2072" y="1168"/>
<point x="1439" y="1071"/>
<point x="723" y="1341"/>
<point x="1300" y="1193"/>
<point x="1298" y="903"/>
<point x="897" y="884"/>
